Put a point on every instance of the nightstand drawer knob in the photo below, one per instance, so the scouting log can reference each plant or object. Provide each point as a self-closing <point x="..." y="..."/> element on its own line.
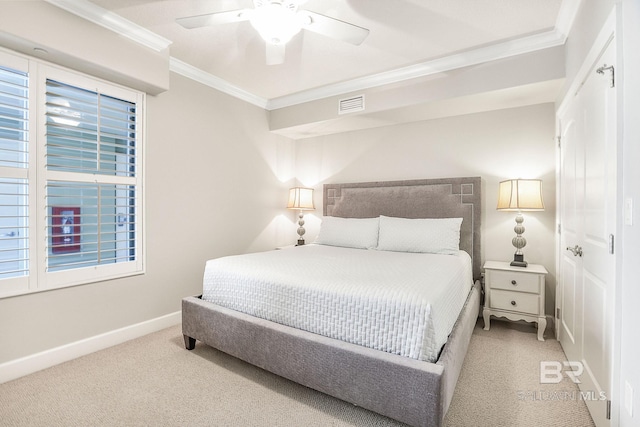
<point x="513" y="303"/>
<point x="513" y="282"/>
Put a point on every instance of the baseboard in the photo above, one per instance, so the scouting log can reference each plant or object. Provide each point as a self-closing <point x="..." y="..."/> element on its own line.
<point x="29" y="364"/>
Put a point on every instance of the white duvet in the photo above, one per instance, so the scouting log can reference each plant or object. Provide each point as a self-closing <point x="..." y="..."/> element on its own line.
<point x="398" y="302"/>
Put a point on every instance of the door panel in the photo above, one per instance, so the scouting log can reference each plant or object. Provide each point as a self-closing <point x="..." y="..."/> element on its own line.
<point x="600" y="204"/>
<point x="587" y="217"/>
<point x="571" y="220"/>
<point x="568" y="309"/>
<point x="594" y="326"/>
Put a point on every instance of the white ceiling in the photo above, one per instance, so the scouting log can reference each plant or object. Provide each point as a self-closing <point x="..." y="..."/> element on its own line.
<point x="404" y="35"/>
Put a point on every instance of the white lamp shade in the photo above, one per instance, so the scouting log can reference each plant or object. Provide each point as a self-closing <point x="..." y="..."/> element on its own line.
<point x="520" y="195"/>
<point x="301" y="198"/>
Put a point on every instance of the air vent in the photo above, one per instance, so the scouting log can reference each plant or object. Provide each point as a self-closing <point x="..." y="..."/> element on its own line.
<point x="351" y="105"/>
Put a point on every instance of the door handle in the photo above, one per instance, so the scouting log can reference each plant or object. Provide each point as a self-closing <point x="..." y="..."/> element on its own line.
<point x="576" y="250"/>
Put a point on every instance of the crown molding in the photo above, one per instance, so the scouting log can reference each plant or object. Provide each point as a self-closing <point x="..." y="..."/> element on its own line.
<point x="113" y="22"/>
<point x="208" y="79"/>
<point x="520" y="46"/>
<point x="473" y="57"/>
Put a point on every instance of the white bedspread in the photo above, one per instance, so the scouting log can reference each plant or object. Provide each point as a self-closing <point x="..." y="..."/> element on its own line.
<point x="402" y="303"/>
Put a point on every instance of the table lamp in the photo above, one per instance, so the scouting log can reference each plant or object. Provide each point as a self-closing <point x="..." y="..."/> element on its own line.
<point x="520" y="195"/>
<point x="301" y="198"/>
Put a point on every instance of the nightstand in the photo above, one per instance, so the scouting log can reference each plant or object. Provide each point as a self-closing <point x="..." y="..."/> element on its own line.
<point x="516" y="293"/>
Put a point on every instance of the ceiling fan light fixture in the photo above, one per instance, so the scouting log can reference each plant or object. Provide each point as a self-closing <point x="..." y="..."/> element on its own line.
<point x="275" y="22"/>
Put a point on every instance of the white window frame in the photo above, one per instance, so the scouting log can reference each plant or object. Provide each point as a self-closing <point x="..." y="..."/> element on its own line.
<point x="39" y="279"/>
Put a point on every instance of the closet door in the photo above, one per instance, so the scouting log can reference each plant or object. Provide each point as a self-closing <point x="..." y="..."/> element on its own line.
<point x="588" y="220"/>
<point x="570" y="281"/>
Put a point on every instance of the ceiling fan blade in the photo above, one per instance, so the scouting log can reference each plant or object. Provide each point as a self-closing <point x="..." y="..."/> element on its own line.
<point x="275" y="53"/>
<point x="215" y="18"/>
<point x="334" y="28"/>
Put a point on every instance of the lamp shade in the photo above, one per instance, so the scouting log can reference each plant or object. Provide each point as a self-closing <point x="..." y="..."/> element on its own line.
<point x="520" y="195"/>
<point x="301" y="198"/>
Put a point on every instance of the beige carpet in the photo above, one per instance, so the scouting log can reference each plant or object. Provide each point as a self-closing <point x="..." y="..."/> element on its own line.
<point x="154" y="381"/>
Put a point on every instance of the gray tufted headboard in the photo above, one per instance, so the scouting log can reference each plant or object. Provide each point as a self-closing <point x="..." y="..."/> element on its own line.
<point x="423" y="198"/>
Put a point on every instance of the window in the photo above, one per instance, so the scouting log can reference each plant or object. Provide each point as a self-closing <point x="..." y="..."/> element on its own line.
<point x="14" y="220"/>
<point x="70" y="178"/>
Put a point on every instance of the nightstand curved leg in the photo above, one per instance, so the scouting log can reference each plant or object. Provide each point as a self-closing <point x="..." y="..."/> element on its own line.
<point x="486" y="315"/>
<point x="542" y="325"/>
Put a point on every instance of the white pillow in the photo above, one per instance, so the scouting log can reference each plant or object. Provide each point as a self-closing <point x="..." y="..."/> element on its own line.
<point x="430" y="235"/>
<point x="361" y="233"/>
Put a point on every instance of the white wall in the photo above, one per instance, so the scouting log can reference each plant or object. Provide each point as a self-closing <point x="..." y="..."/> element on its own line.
<point x="216" y="184"/>
<point x="495" y="145"/>
<point x="629" y="369"/>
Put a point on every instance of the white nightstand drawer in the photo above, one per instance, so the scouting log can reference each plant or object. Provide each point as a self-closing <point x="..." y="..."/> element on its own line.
<point x="515" y="301"/>
<point x="521" y="282"/>
<point x="515" y="293"/>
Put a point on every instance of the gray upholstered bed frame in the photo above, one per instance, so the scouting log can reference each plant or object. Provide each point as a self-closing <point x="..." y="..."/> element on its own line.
<point x="412" y="391"/>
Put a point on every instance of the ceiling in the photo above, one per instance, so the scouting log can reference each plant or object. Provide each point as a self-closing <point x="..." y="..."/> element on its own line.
<point x="404" y="35"/>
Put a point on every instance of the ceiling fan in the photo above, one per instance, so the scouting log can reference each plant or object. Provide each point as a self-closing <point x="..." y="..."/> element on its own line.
<point x="277" y="21"/>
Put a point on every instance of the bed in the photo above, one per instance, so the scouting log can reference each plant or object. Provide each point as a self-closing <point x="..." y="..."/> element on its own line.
<point x="413" y="384"/>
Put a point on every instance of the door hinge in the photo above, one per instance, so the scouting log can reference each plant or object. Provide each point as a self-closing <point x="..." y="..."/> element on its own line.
<point x="557" y="312"/>
<point x="611" y="244"/>
<point x="606" y="67"/>
<point x="608" y="409"/>
<point x="559" y="228"/>
<point x="559" y="140"/>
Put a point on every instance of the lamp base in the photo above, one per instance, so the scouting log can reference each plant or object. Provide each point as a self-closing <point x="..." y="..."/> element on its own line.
<point x="518" y="261"/>
<point x="300" y="242"/>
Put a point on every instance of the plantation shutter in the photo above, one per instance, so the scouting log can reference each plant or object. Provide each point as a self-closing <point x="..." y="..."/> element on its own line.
<point x="14" y="184"/>
<point x="92" y="180"/>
